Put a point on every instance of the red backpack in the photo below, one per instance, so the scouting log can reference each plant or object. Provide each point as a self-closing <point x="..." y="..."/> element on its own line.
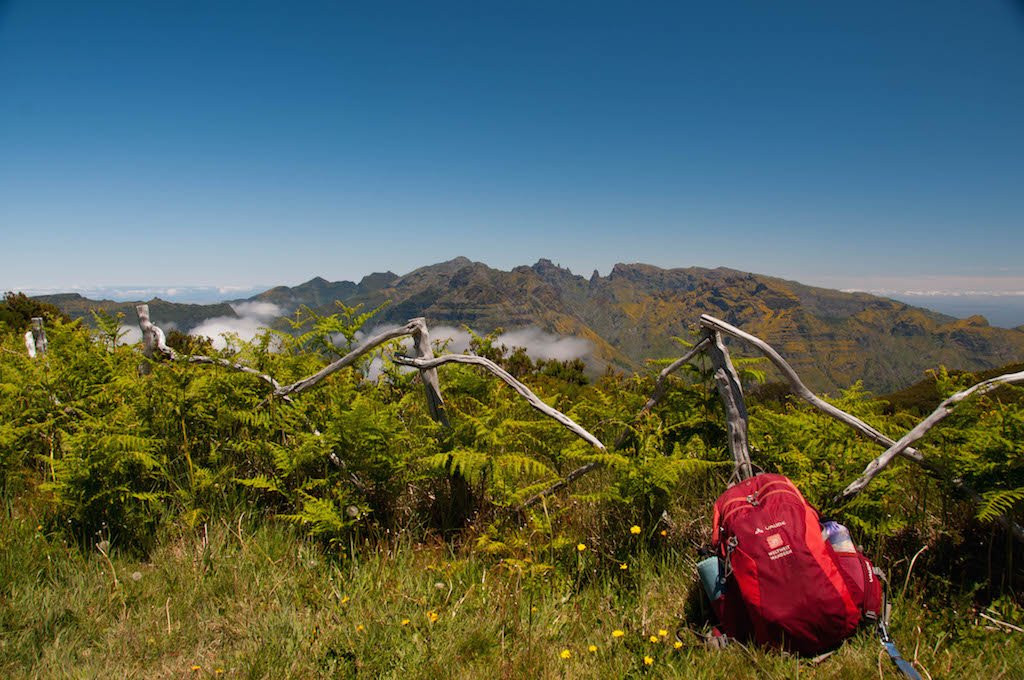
<point x="785" y="585"/>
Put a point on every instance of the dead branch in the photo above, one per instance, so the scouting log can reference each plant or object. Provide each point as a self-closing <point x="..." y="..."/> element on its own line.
<point x="943" y="410"/>
<point x="661" y="383"/>
<point x="731" y="393"/>
<point x="857" y="424"/>
<point x="798" y="386"/>
<point x="660" y="388"/>
<point x="421" y="344"/>
<point x="409" y="328"/>
<point x="519" y="387"/>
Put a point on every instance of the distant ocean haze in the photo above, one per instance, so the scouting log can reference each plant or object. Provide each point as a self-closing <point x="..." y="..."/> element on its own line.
<point x="190" y="294"/>
<point x="1005" y="311"/>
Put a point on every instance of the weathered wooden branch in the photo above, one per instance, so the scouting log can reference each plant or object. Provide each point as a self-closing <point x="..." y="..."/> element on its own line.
<point x="798" y="386"/>
<point x="38" y="338"/>
<point x="661" y="383"/>
<point x="505" y="376"/>
<point x="660" y="388"/>
<point x="200" y="359"/>
<point x="731" y="393"/>
<point x="943" y="410"/>
<point x="558" y="486"/>
<point x="857" y="424"/>
<point x="154" y="345"/>
<point x="299" y="386"/>
<point x="431" y="384"/>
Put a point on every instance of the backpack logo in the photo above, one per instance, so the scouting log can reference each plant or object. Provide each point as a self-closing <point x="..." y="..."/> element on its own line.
<point x="777" y="547"/>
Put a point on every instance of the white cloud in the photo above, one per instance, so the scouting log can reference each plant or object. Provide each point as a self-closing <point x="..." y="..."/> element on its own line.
<point x="543" y="345"/>
<point x="539" y="344"/>
<point x="252" y="316"/>
<point x="258" y="310"/>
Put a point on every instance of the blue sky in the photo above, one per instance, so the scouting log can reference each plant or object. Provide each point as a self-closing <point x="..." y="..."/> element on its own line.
<point x="870" y="145"/>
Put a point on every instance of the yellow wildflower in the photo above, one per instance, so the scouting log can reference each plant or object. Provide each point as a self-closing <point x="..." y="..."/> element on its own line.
<point x="360" y="628"/>
<point x="592" y="649"/>
<point x="196" y="668"/>
<point x="565" y="654"/>
<point x="617" y="633"/>
<point x="623" y="566"/>
<point x="405" y="622"/>
<point x="653" y="638"/>
<point x="581" y="546"/>
<point x="432" y="616"/>
<point x="219" y="671"/>
<point x="344" y="600"/>
<point x="677" y="644"/>
<point x="662" y="632"/>
<point x="648" y="661"/>
<point x="664" y="532"/>
<point x="634" y="530"/>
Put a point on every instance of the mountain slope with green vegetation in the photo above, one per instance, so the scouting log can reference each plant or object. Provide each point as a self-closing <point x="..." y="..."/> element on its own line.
<point x="832" y="338"/>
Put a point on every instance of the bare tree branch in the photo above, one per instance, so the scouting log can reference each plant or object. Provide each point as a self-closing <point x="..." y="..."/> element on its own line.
<point x="798" y="386"/>
<point x="39" y="341"/>
<point x="731" y="392"/>
<point x="505" y="376"/>
<point x="661" y="383"/>
<point x="660" y="388"/>
<point x="408" y="329"/>
<point x="421" y="343"/>
<point x="857" y="424"/>
<point x="943" y="410"/>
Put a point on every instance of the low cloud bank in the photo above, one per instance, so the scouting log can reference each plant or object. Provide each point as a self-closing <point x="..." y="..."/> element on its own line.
<point x="543" y="345"/>
<point x="252" y="316"/>
<point x="539" y="344"/>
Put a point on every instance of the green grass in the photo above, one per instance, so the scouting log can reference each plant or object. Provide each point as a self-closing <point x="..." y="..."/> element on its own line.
<point x="241" y="600"/>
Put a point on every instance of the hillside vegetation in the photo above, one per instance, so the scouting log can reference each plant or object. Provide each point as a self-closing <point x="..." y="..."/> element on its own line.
<point x="187" y="523"/>
<point x="832" y="338"/>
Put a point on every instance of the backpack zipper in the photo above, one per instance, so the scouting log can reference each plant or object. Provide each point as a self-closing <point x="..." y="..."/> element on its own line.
<point x="754" y="500"/>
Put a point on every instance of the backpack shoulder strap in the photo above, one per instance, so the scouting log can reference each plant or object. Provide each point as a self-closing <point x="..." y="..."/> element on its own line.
<point x="883" y="632"/>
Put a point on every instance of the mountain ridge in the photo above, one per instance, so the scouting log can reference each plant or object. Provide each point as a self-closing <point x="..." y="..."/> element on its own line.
<point x="832" y="338"/>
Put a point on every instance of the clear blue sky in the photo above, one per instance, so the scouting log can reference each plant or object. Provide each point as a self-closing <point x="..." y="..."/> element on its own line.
<point x="868" y="144"/>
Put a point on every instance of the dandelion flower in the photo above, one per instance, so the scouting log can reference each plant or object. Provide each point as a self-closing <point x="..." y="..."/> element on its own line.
<point x="653" y="638"/>
<point x="196" y="668"/>
<point x="677" y="644"/>
<point x="565" y="654"/>
<point x="617" y="633"/>
<point x="664" y="532"/>
<point x="405" y="622"/>
<point x="634" y="530"/>
<point x="662" y="632"/>
<point x="648" y="661"/>
<point x="432" y="616"/>
<point x="581" y="546"/>
<point x="592" y="649"/>
<point x="344" y="600"/>
<point x="623" y="566"/>
<point x="360" y="628"/>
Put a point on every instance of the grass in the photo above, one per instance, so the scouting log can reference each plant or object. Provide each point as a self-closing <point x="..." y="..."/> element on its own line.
<point x="238" y="600"/>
